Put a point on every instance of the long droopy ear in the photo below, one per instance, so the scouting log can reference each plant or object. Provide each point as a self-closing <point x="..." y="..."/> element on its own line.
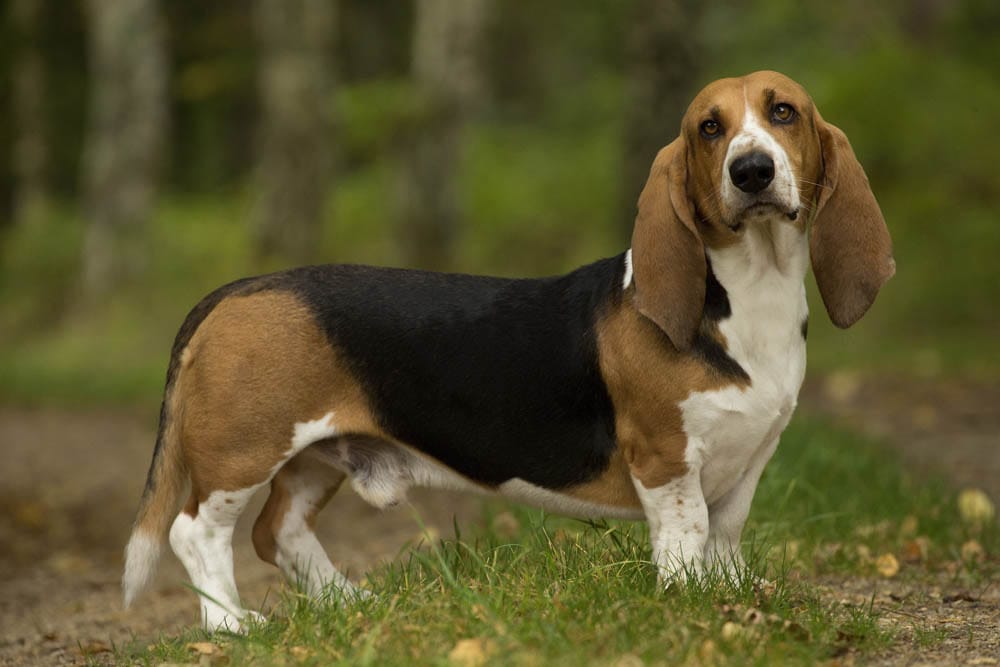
<point x="668" y="258"/>
<point x="849" y="243"/>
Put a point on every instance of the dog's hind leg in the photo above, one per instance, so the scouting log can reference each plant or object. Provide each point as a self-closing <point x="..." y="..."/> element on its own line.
<point x="257" y="385"/>
<point x="201" y="536"/>
<point x="284" y="532"/>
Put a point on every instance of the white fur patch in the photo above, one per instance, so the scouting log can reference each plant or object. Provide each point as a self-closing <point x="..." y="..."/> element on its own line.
<point x="678" y="524"/>
<point x="307" y="433"/>
<point x="204" y="545"/>
<point x="141" y="556"/>
<point x="552" y="501"/>
<point x="299" y="555"/>
<point x="764" y="336"/>
<point x="783" y="190"/>
<point x="627" y="280"/>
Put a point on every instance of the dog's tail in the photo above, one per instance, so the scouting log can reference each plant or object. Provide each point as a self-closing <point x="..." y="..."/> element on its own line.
<point x="166" y="481"/>
<point x="168" y="475"/>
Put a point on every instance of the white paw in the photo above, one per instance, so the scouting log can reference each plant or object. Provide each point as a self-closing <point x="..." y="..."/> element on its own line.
<point x="220" y="620"/>
<point x="674" y="572"/>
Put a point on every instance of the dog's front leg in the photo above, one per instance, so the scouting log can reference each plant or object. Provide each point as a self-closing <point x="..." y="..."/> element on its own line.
<point x="728" y="514"/>
<point x="678" y="524"/>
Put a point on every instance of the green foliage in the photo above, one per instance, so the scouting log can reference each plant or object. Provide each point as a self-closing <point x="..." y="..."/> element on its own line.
<point x="540" y="177"/>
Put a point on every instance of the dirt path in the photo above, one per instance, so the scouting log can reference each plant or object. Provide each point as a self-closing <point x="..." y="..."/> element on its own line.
<point x="944" y="427"/>
<point x="69" y="484"/>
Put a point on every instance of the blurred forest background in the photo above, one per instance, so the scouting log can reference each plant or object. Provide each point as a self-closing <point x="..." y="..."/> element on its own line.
<point x="151" y="150"/>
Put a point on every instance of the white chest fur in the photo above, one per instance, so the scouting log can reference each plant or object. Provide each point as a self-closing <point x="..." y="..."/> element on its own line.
<point x="730" y="430"/>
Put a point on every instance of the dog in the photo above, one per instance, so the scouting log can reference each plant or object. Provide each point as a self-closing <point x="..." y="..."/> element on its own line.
<point x="651" y="385"/>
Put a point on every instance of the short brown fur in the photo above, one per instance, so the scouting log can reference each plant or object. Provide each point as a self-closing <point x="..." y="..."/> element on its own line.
<point x="258" y="365"/>
<point x="647" y="380"/>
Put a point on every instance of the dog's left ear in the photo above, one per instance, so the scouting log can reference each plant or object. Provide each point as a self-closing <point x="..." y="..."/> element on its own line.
<point x="668" y="258"/>
<point x="849" y="243"/>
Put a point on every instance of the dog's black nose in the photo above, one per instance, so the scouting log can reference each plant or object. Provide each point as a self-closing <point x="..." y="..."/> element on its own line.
<point x="752" y="172"/>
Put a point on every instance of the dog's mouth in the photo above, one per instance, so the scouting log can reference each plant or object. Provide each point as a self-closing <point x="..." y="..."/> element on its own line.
<point x="760" y="210"/>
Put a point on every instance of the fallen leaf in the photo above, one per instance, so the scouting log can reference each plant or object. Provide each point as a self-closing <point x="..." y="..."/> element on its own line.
<point x="959" y="597"/>
<point x="731" y="631"/>
<point x="975" y="507"/>
<point x="708" y="652"/>
<point x="429" y="534"/>
<point x="203" y="648"/>
<point x="66" y="563"/>
<point x="471" y="652"/>
<point x="506" y="524"/>
<point x="916" y="550"/>
<point x="864" y="553"/>
<point x="842" y="386"/>
<point x="795" y="630"/>
<point x="94" y="647"/>
<point x="31" y="514"/>
<point x="908" y="526"/>
<point x="925" y="416"/>
<point x="973" y="552"/>
<point x="300" y="653"/>
<point x="879" y="529"/>
<point x="629" y="660"/>
<point x="887" y="565"/>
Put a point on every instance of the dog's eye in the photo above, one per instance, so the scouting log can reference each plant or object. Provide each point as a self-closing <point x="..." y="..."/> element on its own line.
<point x="710" y="129"/>
<point x="783" y="113"/>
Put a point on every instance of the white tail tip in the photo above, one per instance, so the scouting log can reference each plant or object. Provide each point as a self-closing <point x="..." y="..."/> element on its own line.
<point x="141" y="556"/>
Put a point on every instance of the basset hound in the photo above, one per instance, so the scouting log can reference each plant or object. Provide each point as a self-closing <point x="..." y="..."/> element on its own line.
<point x="650" y="385"/>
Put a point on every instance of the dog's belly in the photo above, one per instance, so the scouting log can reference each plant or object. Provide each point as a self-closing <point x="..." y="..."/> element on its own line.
<point x="730" y="429"/>
<point x="566" y="505"/>
<point x="381" y="472"/>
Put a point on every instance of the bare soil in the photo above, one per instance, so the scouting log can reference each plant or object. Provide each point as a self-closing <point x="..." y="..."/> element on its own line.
<point x="70" y="482"/>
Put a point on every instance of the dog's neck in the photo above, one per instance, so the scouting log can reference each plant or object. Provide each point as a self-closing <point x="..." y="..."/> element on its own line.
<point x="763" y="275"/>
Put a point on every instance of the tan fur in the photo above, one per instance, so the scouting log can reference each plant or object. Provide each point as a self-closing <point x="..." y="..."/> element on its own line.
<point x="258" y="365"/>
<point x="668" y="257"/>
<point x="613" y="488"/>
<point x="849" y="243"/>
<point x="726" y="100"/>
<point x="647" y="379"/>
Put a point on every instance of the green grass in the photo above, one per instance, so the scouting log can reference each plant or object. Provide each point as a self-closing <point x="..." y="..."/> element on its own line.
<point x="539" y="590"/>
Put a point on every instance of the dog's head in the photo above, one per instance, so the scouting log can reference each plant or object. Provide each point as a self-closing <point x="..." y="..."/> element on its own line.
<point x="750" y="150"/>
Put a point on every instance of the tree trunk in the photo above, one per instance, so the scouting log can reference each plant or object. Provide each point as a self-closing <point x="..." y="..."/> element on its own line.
<point x="295" y="40"/>
<point x="447" y="75"/>
<point x="125" y="137"/>
<point x="29" y="152"/>
<point x="661" y="77"/>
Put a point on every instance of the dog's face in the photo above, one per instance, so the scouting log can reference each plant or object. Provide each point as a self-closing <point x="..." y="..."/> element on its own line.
<point x="754" y="150"/>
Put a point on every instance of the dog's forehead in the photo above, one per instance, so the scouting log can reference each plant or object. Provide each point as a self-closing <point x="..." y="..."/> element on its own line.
<point x="731" y="95"/>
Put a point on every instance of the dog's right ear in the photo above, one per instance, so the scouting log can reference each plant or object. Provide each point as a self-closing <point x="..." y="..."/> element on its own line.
<point x="668" y="257"/>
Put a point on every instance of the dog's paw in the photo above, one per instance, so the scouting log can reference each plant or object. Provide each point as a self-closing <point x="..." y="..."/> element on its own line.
<point x="220" y="620"/>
